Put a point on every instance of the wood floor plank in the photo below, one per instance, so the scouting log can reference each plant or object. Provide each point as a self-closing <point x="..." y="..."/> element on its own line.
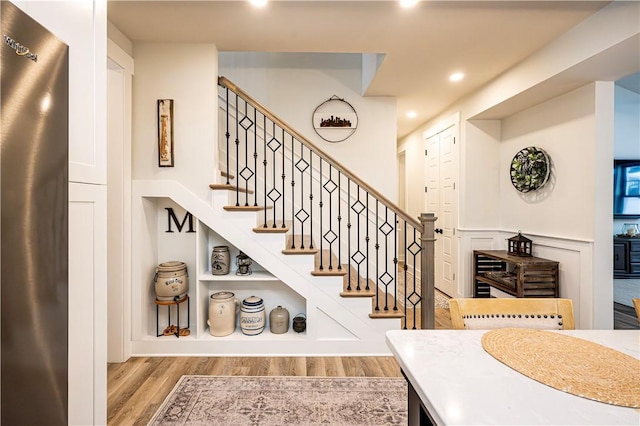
<point x="136" y="388"/>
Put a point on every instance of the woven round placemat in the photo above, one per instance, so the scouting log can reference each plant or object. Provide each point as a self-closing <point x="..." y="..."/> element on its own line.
<point x="568" y="363"/>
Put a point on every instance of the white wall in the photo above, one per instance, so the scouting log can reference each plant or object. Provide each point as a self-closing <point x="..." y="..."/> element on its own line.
<point x="87" y="198"/>
<point x="186" y="73"/>
<point x="292" y="85"/>
<point x="565" y="128"/>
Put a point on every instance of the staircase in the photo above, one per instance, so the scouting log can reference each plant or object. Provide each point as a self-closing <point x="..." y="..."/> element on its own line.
<point x="352" y="231"/>
<point x="323" y="241"/>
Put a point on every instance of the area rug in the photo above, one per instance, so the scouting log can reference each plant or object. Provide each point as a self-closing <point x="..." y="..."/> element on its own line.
<point x="241" y="400"/>
<point x="441" y="300"/>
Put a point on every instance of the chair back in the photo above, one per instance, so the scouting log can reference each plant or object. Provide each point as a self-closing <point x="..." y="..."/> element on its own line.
<point x="491" y="313"/>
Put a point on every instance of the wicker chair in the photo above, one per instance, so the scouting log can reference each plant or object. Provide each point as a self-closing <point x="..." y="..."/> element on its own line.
<point x="491" y="313"/>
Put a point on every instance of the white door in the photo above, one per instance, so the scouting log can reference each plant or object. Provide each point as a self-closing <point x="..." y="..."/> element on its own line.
<point x="441" y="171"/>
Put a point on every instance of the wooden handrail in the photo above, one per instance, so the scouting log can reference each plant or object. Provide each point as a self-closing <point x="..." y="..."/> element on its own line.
<point x="226" y="83"/>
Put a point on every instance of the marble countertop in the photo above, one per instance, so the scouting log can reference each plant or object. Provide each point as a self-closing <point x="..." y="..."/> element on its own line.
<point x="461" y="384"/>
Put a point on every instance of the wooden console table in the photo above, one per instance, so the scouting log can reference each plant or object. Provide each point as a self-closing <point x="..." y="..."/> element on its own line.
<point x="520" y="276"/>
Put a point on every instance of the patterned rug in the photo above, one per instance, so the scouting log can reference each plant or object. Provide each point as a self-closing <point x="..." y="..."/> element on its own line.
<point x="239" y="400"/>
<point x="441" y="300"/>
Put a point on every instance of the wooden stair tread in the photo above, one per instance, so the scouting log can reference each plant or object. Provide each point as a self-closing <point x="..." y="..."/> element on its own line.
<point x="353" y="278"/>
<point x="269" y="228"/>
<point x="358" y="293"/>
<point x="245" y="208"/>
<point x="387" y="314"/>
<point x="331" y="265"/>
<point x="229" y="187"/>
<point x="301" y="244"/>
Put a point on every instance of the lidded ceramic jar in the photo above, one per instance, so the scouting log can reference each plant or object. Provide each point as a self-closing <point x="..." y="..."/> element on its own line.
<point x="252" y="316"/>
<point x="220" y="260"/>
<point x="223" y="308"/>
<point x="279" y="320"/>
<point x="171" y="281"/>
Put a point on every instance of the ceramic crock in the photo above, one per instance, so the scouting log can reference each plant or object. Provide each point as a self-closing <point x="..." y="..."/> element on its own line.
<point x="171" y="281"/>
<point x="223" y="308"/>
<point x="252" y="316"/>
<point x="279" y="320"/>
<point x="220" y="260"/>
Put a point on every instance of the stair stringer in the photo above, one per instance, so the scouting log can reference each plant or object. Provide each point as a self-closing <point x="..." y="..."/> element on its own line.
<point x="321" y="293"/>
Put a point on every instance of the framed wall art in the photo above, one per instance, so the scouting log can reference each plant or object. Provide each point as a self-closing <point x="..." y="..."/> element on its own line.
<point x="335" y="120"/>
<point x="165" y="132"/>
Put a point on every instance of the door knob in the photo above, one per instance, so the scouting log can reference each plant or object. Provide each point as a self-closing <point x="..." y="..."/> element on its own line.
<point x="438" y="231"/>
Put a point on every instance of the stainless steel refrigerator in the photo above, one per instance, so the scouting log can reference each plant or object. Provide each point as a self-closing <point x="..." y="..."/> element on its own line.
<point x="34" y="68"/>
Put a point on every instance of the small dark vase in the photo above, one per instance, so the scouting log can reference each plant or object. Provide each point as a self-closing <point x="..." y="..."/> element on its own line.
<point x="299" y="323"/>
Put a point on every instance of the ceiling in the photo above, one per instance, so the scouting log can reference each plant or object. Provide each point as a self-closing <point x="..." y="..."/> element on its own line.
<point x="422" y="46"/>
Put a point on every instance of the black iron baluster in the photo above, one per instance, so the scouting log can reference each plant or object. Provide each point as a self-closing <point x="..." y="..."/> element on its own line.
<point x="377" y="247"/>
<point x="311" y="197"/>
<point x="264" y="163"/>
<point x="367" y="240"/>
<point x="246" y="154"/>
<point x="255" y="158"/>
<point x="358" y="257"/>
<point x="302" y="214"/>
<point x="339" y="221"/>
<point x="274" y="194"/>
<point x="227" y="134"/>
<point x="395" y="262"/>
<point x="404" y="272"/>
<point x="293" y="195"/>
<point x="320" y="213"/>
<point x="237" y="141"/>
<point x="330" y="236"/>
<point x="284" y="176"/>
<point x="415" y="298"/>
<point x="349" y="232"/>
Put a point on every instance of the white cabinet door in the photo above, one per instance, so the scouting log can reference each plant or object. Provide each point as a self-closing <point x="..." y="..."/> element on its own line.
<point x="87" y="304"/>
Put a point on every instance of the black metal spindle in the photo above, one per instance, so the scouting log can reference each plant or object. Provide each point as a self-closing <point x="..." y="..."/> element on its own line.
<point x="377" y="247"/>
<point x="293" y="195"/>
<point x="349" y="232"/>
<point x="255" y="158"/>
<point x="321" y="215"/>
<point x="274" y="194"/>
<point x="339" y="221"/>
<point x="227" y="134"/>
<point x="330" y="236"/>
<point x="302" y="165"/>
<point x="284" y="177"/>
<point x="395" y="262"/>
<point x="237" y="141"/>
<point x="311" y="197"/>
<point x="264" y="163"/>
<point x="367" y="240"/>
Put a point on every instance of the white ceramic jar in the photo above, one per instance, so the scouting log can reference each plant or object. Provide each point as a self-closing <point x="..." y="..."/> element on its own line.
<point x="171" y="281"/>
<point x="252" y="316"/>
<point x="223" y="308"/>
<point x="279" y="320"/>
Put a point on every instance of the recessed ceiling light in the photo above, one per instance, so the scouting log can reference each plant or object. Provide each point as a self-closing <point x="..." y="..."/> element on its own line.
<point x="412" y="114"/>
<point x="408" y="3"/>
<point x="456" y="76"/>
<point x="258" y="3"/>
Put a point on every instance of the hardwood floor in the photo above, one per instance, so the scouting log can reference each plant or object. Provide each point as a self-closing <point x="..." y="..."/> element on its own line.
<point x="137" y="387"/>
